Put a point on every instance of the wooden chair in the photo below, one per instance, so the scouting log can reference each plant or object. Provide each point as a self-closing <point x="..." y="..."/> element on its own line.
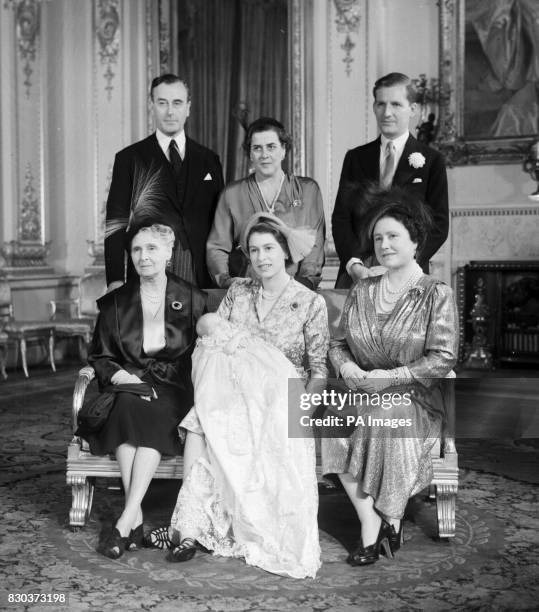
<point x="75" y="318"/>
<point x="83" y="467"/>
<point x="21" y="332"/>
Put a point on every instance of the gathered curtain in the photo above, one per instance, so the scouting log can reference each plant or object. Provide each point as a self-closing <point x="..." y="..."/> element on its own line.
<point x="234" y="56"/>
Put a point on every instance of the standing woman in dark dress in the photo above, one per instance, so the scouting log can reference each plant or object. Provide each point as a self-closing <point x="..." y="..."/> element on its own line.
<point x="145" y="332"/>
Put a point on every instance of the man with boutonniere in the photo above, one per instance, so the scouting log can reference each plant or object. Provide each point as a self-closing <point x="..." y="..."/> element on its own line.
<point x="395" y="158"/>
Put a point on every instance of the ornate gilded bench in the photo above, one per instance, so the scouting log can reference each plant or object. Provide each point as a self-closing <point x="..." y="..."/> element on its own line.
<point x="83" y="467"/>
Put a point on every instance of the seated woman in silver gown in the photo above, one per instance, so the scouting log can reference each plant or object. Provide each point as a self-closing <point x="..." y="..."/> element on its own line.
<point x="399" y="341"/>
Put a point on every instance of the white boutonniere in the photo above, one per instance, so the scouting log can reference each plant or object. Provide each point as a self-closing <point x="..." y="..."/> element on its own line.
<point x="416" y="160"/>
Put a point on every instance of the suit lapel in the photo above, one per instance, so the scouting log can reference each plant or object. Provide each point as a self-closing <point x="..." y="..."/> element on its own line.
<point x="371" y="160"/>
<point x="193" y="177"/>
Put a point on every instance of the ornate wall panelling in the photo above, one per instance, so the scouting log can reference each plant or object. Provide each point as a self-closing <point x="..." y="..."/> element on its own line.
<point x="502" y="233"/>
<point x="347" y="20"/>
<point x="121" y="55"/>
<point x="341" y="95"/>
<point x="107" y="105"/>
<point x="488" y="233"/>
<point x="25" y="249"/>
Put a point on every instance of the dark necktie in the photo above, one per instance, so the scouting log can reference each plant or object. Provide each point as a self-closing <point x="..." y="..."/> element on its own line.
<point x="174" y="157"/>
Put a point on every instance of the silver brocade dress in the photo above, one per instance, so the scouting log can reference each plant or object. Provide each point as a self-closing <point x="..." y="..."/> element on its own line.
<point x="421" y="333"/>
<point x="253" y="493"/>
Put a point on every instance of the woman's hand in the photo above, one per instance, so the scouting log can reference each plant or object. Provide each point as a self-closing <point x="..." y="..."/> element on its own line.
<point x="375" y="381"/>
<point x="122" y="377"/>
<point x="352" y="374"/>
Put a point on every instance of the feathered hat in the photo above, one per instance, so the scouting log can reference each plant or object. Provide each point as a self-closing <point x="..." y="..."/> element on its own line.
<point x="149" y="202"/>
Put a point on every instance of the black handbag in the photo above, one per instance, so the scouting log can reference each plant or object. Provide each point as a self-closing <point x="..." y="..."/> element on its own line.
<point x="94" y="414"/>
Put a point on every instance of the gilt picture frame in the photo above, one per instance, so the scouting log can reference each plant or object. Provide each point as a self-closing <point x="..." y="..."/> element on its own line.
<point x="460" y="136"/>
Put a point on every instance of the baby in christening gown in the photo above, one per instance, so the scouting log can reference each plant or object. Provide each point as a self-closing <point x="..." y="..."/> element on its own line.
<point x="244" y="496"/>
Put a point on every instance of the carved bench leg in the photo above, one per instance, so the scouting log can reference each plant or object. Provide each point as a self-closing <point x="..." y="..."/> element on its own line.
<point x="51" y="351"/>
<point x="23" y="356"/>
<point x="82" y="491"/>
<point x="3" y="360"/>
<point x="446" y="495"/>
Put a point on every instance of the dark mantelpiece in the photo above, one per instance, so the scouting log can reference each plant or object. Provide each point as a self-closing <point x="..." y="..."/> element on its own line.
<point x="511" y="292"/>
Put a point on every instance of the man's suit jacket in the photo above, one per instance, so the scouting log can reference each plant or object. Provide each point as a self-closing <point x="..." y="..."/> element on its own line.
<point x="204" y="182"/>
<point x="361" y="167"/>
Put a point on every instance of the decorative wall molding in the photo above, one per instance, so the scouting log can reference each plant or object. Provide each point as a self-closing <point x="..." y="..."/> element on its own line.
<point x="347" y="21"/>
<point x="27" y="20"/>
<point x="492" y="233"/>
<point x="25" y="248"/>
<point x="30" y="226"/>
<point x="495" y="212"/>
<point x="296" y="46"/>
<point x="107" y="32"/>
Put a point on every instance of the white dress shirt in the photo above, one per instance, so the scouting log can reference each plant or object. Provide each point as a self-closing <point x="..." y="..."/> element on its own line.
<point x="164" y="142"/>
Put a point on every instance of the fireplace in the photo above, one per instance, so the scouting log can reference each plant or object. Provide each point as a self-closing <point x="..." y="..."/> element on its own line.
<point x="498" y="314"/>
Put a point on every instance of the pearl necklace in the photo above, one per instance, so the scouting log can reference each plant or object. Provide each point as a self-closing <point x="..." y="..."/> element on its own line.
<point x="271" y="207"/>
<point x="387" y="298"/>
<point x="272" y="296"/>
<point x="152" y="302"/>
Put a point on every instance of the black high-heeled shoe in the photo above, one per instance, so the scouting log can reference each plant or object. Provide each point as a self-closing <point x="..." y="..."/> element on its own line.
<point x="114" y="545"/>
<point x="396" y="538"/>
<point x="135" y="541"/>
<point x="365" y="555"/>
<point x="185" y="551"/>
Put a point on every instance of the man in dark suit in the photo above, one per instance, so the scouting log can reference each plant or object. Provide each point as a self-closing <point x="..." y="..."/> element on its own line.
<point x="394" y="158"/>
<point x="166" y="178"/>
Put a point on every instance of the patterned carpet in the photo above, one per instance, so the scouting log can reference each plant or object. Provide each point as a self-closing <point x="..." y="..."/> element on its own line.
<point x="492" y="564"/>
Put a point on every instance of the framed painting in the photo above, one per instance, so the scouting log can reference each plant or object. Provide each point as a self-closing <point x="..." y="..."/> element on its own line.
<point x="489" y="80"/>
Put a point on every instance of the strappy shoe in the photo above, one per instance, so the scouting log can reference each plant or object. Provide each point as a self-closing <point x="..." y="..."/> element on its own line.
<point x="185" y="551"/>
<point x="366" y="555"/>
<point x="114" y="546"/>
<point x="158" y="538"/>
<point x="396" y="538"/>
<point x="135" y="541"/>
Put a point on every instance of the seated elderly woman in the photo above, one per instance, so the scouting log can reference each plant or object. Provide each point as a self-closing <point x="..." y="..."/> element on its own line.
<point x="399" y="340"/>
<point x="145" y="332"/>
<point x="296" y="200"/>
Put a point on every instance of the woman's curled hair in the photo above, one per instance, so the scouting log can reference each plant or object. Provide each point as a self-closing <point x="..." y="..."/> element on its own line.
<point x="403" y="206"/>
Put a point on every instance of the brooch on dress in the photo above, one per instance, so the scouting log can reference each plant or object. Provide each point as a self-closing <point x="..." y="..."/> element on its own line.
<point x="416" y="292"/>
<point x="176" y="305"/>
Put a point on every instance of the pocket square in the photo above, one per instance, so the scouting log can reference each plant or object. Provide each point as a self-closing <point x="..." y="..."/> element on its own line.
<point x="208" y="177"/>
<point x="417" y="180"/>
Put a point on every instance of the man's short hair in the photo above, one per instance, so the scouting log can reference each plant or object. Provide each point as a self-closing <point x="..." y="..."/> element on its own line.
<point x="397" y="78"/>
<point x="169" y="79"/>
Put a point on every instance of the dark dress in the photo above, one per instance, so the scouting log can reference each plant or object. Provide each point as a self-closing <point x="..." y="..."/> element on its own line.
<point x="118" y="344"/>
